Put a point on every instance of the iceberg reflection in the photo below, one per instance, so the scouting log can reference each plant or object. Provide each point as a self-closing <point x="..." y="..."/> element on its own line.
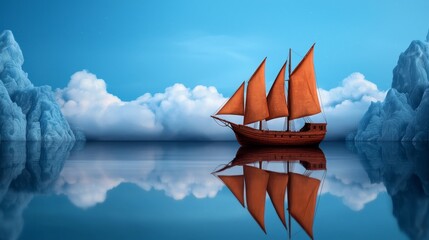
<point x="347" y="178"/>
<point x="26" y="168"/>
<point x="403" y="168"/>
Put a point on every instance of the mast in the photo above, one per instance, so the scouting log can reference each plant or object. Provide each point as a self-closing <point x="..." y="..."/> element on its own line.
<point x="288" y="88"/>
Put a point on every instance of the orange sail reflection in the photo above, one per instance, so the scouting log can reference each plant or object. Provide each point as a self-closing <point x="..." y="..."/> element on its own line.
<point x="277" y="185"/>
<point x="302" y="200"/>
<point x="256" y="186"/>
<point x="301" y="189"/>
<point x="236" y="185"/>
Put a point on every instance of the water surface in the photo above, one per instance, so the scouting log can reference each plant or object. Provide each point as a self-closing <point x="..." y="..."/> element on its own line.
<point x="141" y="190"/>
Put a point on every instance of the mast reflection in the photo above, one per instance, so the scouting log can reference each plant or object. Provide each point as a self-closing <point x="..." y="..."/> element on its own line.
<point x="294" y="182"/>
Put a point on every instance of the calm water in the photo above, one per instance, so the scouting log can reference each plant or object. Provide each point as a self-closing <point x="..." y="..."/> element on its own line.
<point x="166" y="191"/>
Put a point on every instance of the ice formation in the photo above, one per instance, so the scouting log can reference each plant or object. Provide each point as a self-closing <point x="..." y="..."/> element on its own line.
<point x="404" y="114"/>
<point x="26" y="112"/>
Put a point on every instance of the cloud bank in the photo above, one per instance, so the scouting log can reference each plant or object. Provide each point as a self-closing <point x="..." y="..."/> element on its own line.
<point x="345" y="105"/>
<point x="181" y="113"/>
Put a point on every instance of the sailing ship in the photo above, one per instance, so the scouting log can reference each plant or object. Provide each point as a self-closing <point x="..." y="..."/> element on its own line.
<point x="302" y="102"/>
<point x="251" y="187"/>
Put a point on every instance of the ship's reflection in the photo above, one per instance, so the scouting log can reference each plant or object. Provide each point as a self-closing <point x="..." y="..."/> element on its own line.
<point x="299" y="187"/>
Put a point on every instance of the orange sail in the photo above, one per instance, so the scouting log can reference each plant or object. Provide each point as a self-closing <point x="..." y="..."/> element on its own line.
<point x="256" y="100"/>
<point x="256" y="187"/>
<point x="276" y="189"/>
<point x="302" y="196"/>
<point x="303" y="90"/>
<point x="235" y="105"/>
<point x="236" y="185"/>
<point x="276" y="98"/>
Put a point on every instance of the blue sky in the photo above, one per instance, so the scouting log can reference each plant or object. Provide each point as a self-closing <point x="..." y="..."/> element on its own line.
<point x="146" y="46"/>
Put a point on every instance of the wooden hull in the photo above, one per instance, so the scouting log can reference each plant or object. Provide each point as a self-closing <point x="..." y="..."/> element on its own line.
<point x="309" y="135"/>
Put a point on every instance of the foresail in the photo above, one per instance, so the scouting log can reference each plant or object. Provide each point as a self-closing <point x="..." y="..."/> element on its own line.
<point x="256" y="100"/>
<point x="235" y="105"/>
<point x="256" y="186"/>
<point x="303" y="97"/>
<point x="276" y="98"/>
<point x="302" y="196"/>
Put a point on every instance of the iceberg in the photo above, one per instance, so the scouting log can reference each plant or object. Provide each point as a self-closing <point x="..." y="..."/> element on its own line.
<point x="27" y="112"/>
<point x="404" y="114"/>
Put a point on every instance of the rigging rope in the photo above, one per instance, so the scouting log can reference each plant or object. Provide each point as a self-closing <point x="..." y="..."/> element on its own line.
<point x="218" y="167"/>
<point x="297" y="53"/>
<point x="320" y="99"/>
<point x="222" y="125"/>
<point x="320" y="192"/>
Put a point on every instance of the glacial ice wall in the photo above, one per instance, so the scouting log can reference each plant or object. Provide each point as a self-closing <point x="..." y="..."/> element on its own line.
<point x="26" y="112"/>
<point x="404" y="114"/>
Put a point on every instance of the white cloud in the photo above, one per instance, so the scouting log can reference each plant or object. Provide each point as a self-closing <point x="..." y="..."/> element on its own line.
<point x="178" y="113"/>
<point x="181" y="113"/>
<point x="345" y="105"/>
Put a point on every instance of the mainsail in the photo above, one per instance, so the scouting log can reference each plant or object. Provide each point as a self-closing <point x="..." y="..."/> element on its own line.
<point x="256" y="100"/>
<point x="302" y="196"/>
<point x="276" y="98"/>
<point x="303" y="90"/>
